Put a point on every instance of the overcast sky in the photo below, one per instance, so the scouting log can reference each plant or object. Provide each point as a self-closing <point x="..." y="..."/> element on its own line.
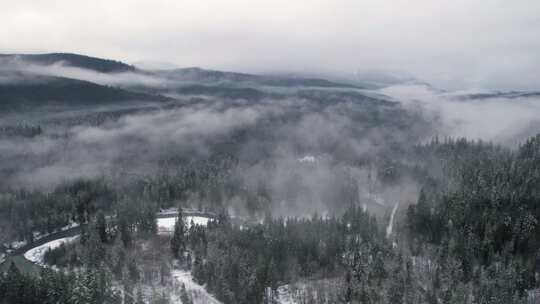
<point x="453" y="44"/>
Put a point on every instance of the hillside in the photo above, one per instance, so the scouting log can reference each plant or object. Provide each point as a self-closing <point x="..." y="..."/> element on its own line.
<point x="73" y="60"/>
<point x="212" y="76"/>
<point x="47" y="90"/>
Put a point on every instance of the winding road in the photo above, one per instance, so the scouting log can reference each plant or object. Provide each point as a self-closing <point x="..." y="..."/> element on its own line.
<point x="24" y="265"/>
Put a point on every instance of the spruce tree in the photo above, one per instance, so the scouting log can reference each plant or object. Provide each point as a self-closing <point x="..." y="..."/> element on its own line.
<point x="140" y="297"/>
<point x="177" y="241"/>
<point x="184" y="296"/>
<point x="125" y="232"/>
<point x="101" y="226"/>
<point x="81" y="293"/>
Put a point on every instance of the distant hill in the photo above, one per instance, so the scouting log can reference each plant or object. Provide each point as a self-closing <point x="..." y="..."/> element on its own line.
<point x="224" y="92"/>
<point x="218" y="77"/>
<point x="18" y="87"/>
<point x="507" y="95"/>
<point x="74" y="60"/>
<point x="364" y="79"/>
<point x="38" y="91"/>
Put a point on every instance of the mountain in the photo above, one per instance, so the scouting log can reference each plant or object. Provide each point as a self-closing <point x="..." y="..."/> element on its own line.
<point x="231" y="78"/>
<point x="365" y="79"/>
<point x="23" y="86"/>
<point x="48" y="90"/>
<point x="500" y="94"/>
<point x="224" y="92"/>
<point x="73" y="60"/>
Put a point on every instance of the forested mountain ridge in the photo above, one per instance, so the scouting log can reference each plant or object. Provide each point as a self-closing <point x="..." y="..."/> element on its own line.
<point x="212" y="76"/>
<point x="508" y="95"/>
<point x="486" y="207"/>
<point x="72" y="60"/>
<point x="197" y="186"/>
<point x="37" y="91"/>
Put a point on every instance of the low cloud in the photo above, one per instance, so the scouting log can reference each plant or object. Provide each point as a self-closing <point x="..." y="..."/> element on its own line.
<point x="266" y="139"/>
<point x="14" y="70"/>
<point x="133" y="140"/>
<point x="498" y="119"/>
<point x="453" y="44"/>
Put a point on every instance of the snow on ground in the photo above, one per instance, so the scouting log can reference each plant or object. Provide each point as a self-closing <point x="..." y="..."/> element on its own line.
<point x="38" y="236"/>
<point x="166" y="224"/>
<point x="377" y="199"/>
<point x="196" y="291"/>
<point x="186" y="211"/>
<point x="168" y="211"/>
<point x="308" y="159"/>
<point x="318" y="291"/>
<point x="284" y="295"/>
<point x="36" y="254"/>
<point x="534" y="295"/>
<point x="15" y="244"/>
<point x="391" y="222"/>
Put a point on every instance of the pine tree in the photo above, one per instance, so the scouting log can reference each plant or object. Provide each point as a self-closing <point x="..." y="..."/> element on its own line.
<point x="15" y="284"/>
<point x="396" y="290"/>
<point x="133" y="271"/>
<point x="2" y="285"/>
<point x="119" y="262"/>
<point x="95" y="250"/>
<point x="128" y="296"/>
<point x="177" y="241"/>
<point x="272" y="275"/>
<point x="140" y="297"/>
<point x="81" y="293"/>
<point x="101" y="226"/>
<point x="198" y="270"/>
<point x="184" y="297"/>
<point x="125" y="232"/>
<point x="379" y="272"/>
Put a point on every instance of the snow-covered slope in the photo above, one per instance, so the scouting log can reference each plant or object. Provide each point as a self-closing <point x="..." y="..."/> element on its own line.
<point x="36" y="254"/>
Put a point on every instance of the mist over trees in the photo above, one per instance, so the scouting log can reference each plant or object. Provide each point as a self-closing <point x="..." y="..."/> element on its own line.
<point x="311" y="191"/>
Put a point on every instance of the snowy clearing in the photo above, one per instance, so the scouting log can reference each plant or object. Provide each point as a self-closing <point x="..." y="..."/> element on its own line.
<point x="166" y="225"/>
<point x="196" y="291"/>
<point x="308" y="159"/>
<point x="36" y="254"/>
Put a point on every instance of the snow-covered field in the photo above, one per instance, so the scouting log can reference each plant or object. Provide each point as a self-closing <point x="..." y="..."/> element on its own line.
<point x="196" y="291"/>
<point x="36" y="254"/>
<point x="166" y="225"/>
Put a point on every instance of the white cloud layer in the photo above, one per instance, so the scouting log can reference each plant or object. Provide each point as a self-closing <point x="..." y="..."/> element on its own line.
<point x="455" y="44"/>
<point x="502" y="120"/>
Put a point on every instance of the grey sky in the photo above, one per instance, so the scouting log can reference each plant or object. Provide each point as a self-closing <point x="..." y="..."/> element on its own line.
<point x="453" y="44"/>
